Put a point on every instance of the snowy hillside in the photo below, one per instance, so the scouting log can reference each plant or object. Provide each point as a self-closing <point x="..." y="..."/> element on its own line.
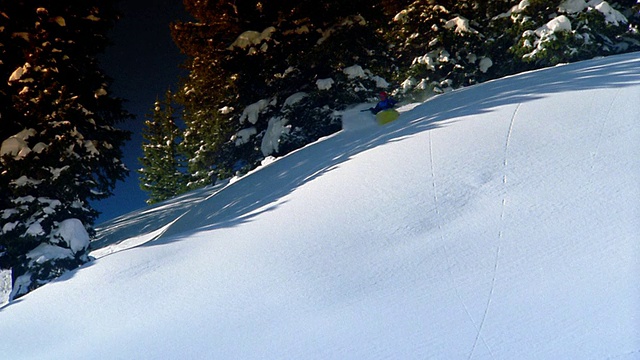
<point x="500" y="221"/>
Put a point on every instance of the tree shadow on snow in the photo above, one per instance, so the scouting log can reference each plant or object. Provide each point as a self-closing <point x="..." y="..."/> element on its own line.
<point x="261" y="191"/>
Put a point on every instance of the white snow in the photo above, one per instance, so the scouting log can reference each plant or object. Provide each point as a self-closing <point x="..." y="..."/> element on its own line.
<point x="18" y="73"/>
<point x="35" y="229"/>
<point x="546" y="33"/>
<point x="243" y="136"/>
<point x="46" y="252"/>
<point x="73" y="233"/>
<point x="90" y="146"/>
<point x="100" y="92"/>
<point x="252" y="111"/>
<point x="461" y="25"/>
<point x="271" y="140"/>
<point x="380" y="82"/>
<point x="40" y="147"/>
<point x="324" y="84"/>
<point x="60" y="21"/>
<point x="250" y="38"/>
<point x="515" y="9"/>
<point x="573" y="6"/>
<point x="498" y="221"/>
<point x="25" y="181"/>
<point x="354" y="72"/>
<point x="485" y="64"/>
<point x="557" y="24"/>
<point x="5" y="285"/>
<point x="226" y="110"/>
<point x="294" y="99"/>
<point x="13" y="146"/>
<point x="16" y="145"/>
<point x="9" y="226"/>
<point x="402" y="16"/>
<point x="611" y="15"/>
<point x="408" y="84"/>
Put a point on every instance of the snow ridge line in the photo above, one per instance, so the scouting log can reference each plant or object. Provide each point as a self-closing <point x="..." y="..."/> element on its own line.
<point x="444" y="247"/>
<point x="505" y="164"/>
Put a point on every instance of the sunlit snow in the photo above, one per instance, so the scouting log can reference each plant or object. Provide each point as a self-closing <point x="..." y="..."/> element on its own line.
<point x="499" y="221"/>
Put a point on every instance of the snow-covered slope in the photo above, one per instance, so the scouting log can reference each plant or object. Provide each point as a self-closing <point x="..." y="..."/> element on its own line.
<point x="500" y="221"/>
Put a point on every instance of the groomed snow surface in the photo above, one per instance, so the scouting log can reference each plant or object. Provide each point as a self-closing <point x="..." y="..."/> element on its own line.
<point x="500" y="221"/>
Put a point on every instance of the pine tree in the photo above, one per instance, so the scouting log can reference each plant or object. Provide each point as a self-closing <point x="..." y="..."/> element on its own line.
<point x="60" y="148"/>
<point x="548" y="32"/>
<point x="162" y="174"/>
<point x="444" y="44"/>
<point x="247" y="58"/>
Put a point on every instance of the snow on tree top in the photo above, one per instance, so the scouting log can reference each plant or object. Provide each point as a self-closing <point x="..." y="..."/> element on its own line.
<point x="558" y="24"/>
<point x="402" y="16"/>
<point x="225" y="110"/>
<point x="74" y="234"/>
<point x="17" y="73"/>
<point x="324" y="84"/>
<point x="60" y="21"/>
<point x="514" y="10"/>
<point x="461" y="24"/>
<point x="293" y="99"/>
<point x="243" y="136"/>
<point x="250" y="38"/>
<point x="252" y="111"/>
<point x="24" y="180"/>
<point x="611" y="15"/>
<point x="485" y="64"/>
<point x="354" y="71"/>
<point x="16" y="145"/>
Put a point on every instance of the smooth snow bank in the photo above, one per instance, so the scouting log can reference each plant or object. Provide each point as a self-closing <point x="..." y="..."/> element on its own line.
<point x="496" y="222"/>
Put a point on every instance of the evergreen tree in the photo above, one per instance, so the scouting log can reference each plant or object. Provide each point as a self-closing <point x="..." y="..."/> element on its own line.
<point x="444" y="44"/>
<point x="162" y="173"/>
<point x="550" y="32"/>
<point x="247" y="58"/>
<point x="60" y="148"/>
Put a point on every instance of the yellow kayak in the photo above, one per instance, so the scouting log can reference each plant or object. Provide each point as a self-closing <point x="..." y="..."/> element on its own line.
<point x="387" y="116"/>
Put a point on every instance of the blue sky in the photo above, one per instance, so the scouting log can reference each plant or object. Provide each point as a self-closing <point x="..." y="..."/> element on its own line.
<point x="144" y="63"/>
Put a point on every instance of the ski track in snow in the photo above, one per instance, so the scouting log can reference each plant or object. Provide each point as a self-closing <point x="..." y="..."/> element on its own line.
<point x="500" y="235"/>
<point x="594" y="154"/>
<point x="439" y="220"/>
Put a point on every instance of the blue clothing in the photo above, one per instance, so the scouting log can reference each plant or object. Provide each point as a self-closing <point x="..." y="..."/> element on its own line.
<point x="385" y="104"/>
